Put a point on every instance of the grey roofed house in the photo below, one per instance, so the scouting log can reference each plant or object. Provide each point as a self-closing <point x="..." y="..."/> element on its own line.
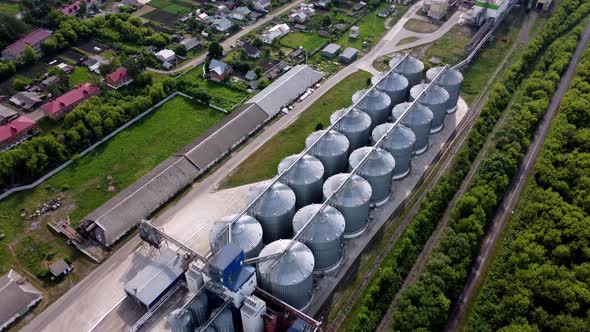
<point x="251" y="76"/>
<point x="26" y="99"/>
<point x="331" y="51"/>
<point x="218" y="67"/>
<point x="50" y="81"/>
<point x="157" y="276"/>
<point x="348" y="55"/>
<point x="6" y="114"/>
<point x="251" y="51"/>
<point x="221" y="24"/>
<point x="59" y="268"/>
<point x="240" y="13"/>
<point x="190" y="43"/>
<point x="286" y="89"/>
<point x="17" y="297"/>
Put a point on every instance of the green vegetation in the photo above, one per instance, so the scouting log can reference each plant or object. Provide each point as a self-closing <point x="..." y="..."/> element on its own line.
<point x="222" y="94"/>
<point x="540" y="277"/>
<point x="309" y="41"/>
<point x="420" y="26"/>
<point x="426" y="303"/>
<point x="173" y="6"/>
<point x="450" y="47"/>
<point x="9" y="8"/>
<point x="125" y="158"/>
<point x="370" y="307"/>
<point x="407" y="40"/>
<point x="82" y="75"/>
<point x="263" y="163"/>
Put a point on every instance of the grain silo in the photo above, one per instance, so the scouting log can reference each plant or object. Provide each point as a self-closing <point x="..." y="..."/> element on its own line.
<point x="419" y="119"/>
<point x="180" y="321"/>
<point x="289" y="277"/>
<point x="200" y="309"/>
<point x="451" y="81"/>
<point x="395" y="85"/>
<point x="305" y="178"/>
<point x="246" y="233"/>
<point x="377" y="170"/>
<point x="376" y="104"/>
<point x="436" y="98"/>
<point x="331" y="150"/>
<point x="274" y="210"/>
<point x="410" y="67"/>
<point x="400" y="143"/>
<point x="356" y="126"/>
<point x="224" y="322"/>
<point x="352" y="201"/>
<point x="323" y="236"/>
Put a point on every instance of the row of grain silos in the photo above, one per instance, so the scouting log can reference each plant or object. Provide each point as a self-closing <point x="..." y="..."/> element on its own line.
<point x="288" y="204"/>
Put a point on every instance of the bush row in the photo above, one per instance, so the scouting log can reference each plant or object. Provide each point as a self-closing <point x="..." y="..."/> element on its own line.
<point x="427" y="303"/>
<point x="372" y="305"/>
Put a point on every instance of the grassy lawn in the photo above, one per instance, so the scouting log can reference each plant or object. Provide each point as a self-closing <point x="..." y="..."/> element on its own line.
<point x="82" y="75"/>
<point x="9" y="8"/>
<point x="221" y="94"/>
<point x="174" y="7"/>
<point x="125" y="158"/>
<point x="450" y="47"/>
<point x="309" y="41"/>
<point x="263" y="163"/>
<point x="420" y="26"/>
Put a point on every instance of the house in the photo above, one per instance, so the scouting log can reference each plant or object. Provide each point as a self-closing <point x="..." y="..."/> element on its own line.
<point x="66" y="68"/>
<point x="324" y="33"/>
<point x="73" y="9"/>
<point x="16" y="131"/>
<point x="300" y="27"/>
<point x="49" y="81"/>
<point x="34" y="39"/>
<point x="203" y="17"/>
<point x="240" y="13"/>
<point x="118" y="78"/>
<point x="275" y="32"/>
<point x="26" y="100"/>
<point x="7" y="114"/>
<point x="62" y="105"/>
<point x="59" y="268"/>
<point x="358" y="6"/>
<point x="132" y="3"/>
<point x="331" y="51"/>
<point x="354" y="32"/>
<point x="302" y="14"/>
<point x="261" y="4"/>
<point x="190" y="43"/>
<point x="166" y="55"/>
<point x="251" y="51"/>
<point x="348" y="55"/>
<point x="221" y="24"/>
<point x="93" y="63"/>
<point x="219" y="70"/>
<point x="325" y="4"/>
<point x="251" y="76"/>
<point x="17" y="297"/>
<point x="383" y="13"/>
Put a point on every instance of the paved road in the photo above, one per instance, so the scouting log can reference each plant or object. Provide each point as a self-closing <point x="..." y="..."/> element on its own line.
<point x="226" y="44"/>
<point x="515" y="189"/>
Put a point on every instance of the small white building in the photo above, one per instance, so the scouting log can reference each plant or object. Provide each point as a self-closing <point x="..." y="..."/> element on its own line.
<point x="166" y="55"/>
<point x="354" y="32"/>
<point x="275" y="32"/>
<point x="261" y="4"/>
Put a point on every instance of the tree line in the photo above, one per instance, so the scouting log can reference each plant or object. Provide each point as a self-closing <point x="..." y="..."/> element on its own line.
<point x="541" y="277"/>
<point x="373" y="303"/>
<point x="427" y="303"/>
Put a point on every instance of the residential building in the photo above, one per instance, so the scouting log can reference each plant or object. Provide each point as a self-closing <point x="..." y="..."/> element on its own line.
<point x="275" y="32"/>
<point x="219" y="70"/>
<point x="73" y="9"/>
<point x="203" y="17"/>
<point x="27" y="100"/>
<point x="62" y="105"/>
<point x="358" y="6"/>
<point x="93" y="63"/>
<point x="59" y="268"/>
<point x="354" y="32"/>
<point x="240" y="13"/>
<point x="118" y="78"/>
<point x="49" y="81"/>
<point x="261" y="4"/>
<point x="383" y="13"/>
<point x="348" y="55"/>
<point x="34" y="39"/>
<point x="323" y="3"/>
<point x="17" y="297"/>
<point x="251" y="76"/>
<point x="331" y="51"/>
<point x="221" y="24"/>
<point x="190" y="43"/>
<point x="302" y="14"/>
<point x="15" y="131"/>
<point x="251" y="51"/>
<point x="166" y="56"/>
<point x="7" y="114"/>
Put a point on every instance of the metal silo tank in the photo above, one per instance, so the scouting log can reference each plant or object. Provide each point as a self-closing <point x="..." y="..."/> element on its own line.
<point x="331" y="150"/>
<point x="246" y="233"/>
<point x="352" y="201"/>
<point x="419" y="119"/>
<point x="376" y="104"/>
<point x="200" y="309"/>
<point x="224" y="322"/>
<point x="436" y="99"/>
<point x="377" y="170"/>
<point x="400" y="143"/>
<point x="290" y="277"/>
<point x="410" y="67"/>
<point x="323" y="236"/>
<point x="395" y="85"/>
<point x="180" y="321"/>
<point x="305" y="178"/>
<point x="451" y="81"/>
<point x="356" y="126"/>
<point x="274" y="210"/>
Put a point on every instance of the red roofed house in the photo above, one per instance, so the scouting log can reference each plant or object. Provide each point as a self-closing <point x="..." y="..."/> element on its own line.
<point x="34" y="39"/>
<point x="16" y="131"/>
<point x="118" y="78"/>
<point x="73" y="8"/>
<point x="62" y="105"/>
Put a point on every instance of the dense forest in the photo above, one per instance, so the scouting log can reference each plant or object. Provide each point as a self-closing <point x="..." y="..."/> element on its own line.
<point x="427" y="303"/>
<point x="541" y="277"/>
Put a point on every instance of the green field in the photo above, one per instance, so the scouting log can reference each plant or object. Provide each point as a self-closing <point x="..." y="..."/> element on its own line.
<point x="263" y="163"/>
<point x="9" y="8"/>
<point x="82" y="75"/>
<point x="221" y="95"/>
<point x="126" y="157"/>
<point x="309" y="41"/>
<point x="173" y="6"/>
<point x="450" y="47"/>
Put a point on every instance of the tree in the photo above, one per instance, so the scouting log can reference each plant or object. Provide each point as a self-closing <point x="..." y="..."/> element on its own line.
<point x="257" y="42"/>
<point x="326" y="21"/>
<point x="29" y="55"/>
<point x="319" y="126"/>
<point x="180" y="50"/>
<point x="215" y="50"/>
<point x="18" y="84"/>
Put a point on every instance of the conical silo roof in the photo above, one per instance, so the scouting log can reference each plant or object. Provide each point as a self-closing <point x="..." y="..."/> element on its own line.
<point x="401" y="137"/>
<point x="357" y="191"/>
<point x="450" y="77"/>
<point x="410" y="67"/>
<point x="332" y="144"/>
<point x="419" y="115"/>
<point x="246" y="233"/>
<point x="277" y="200"/>
<point x="374" y="101"/>
<point x="308" y="169"/>
<point x="435" y="95"/>
<point x="380" y="162"/>
<point x="292" y="268"/>
<point x="394" y="85"/>
<point x="327" y="226"/>
<point x="354" y="121"/>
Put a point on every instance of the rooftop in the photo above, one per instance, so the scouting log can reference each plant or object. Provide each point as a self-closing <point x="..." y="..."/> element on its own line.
<point x="17" y="296"/>
<point x="118" y="75"/>
<point x="18" y="125"/>
<point x="69" y="98"/>
<point x="32" y="38"/>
